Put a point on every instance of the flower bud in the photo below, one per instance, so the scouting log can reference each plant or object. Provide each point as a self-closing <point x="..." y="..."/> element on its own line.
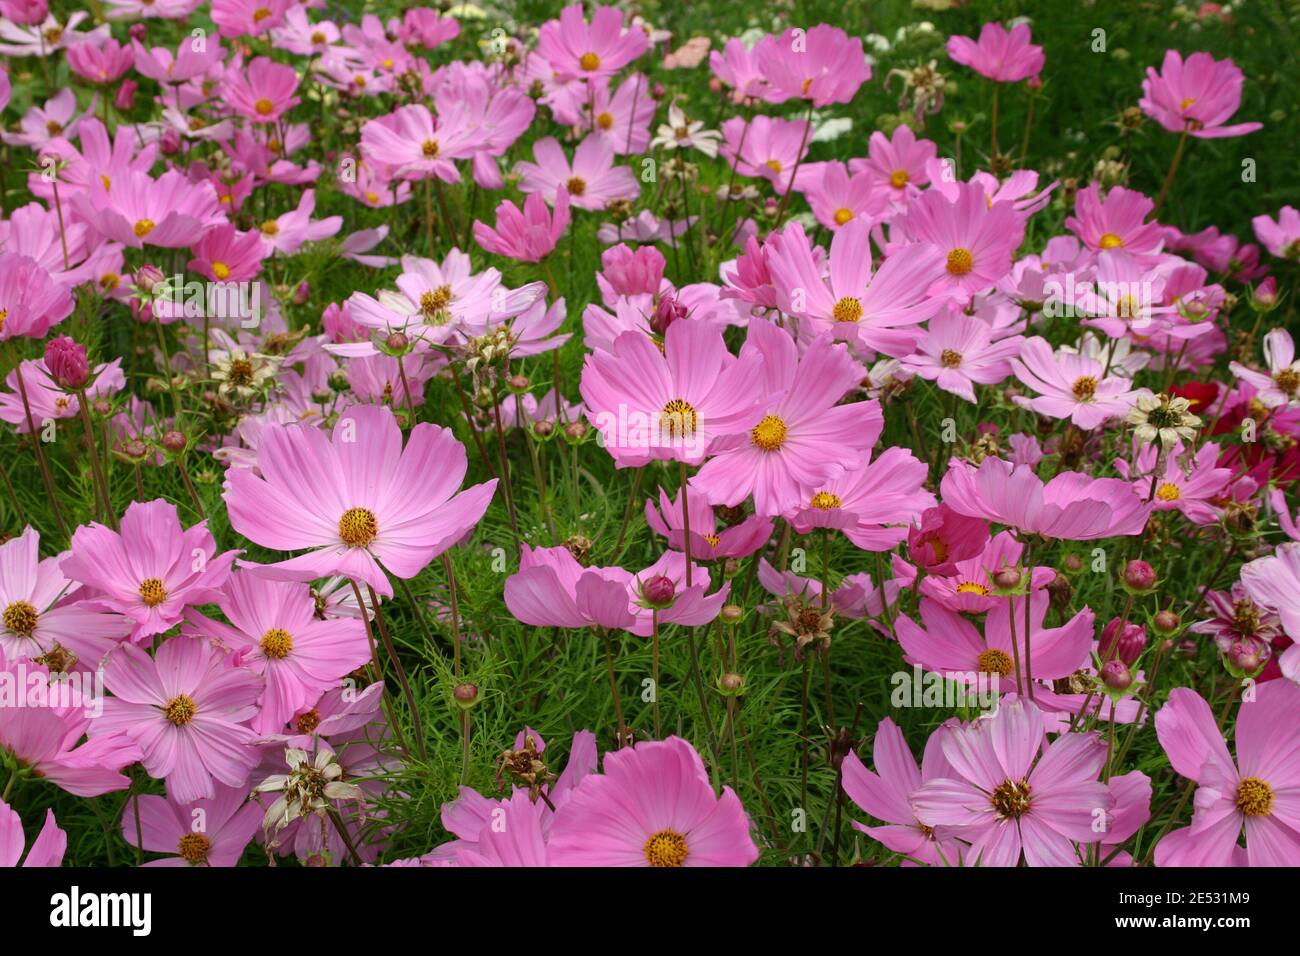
<point x="543" y="428"/>
<point x="1122" y="640"/>
<point x="1139" y="576"/>
<point x="518" y="383"/>
<point x="465" y="695"/>
<point x="576" y="430"/>
<point x="302" y="293"/>
<point x="731" y="613"/>
<point x="1245" y="656"/>
<point x="667" y="311"/>
<point x="138" y="31"/>
<point x="148" y="277"/>
<point x="1073" y="563"/>
<point x="731" y="683"/>
<point x="173" y="440"/>
<point x="1008" y="579"/>
<point x="659" y="591"/>
<point x="1116" y="675"/>
<point x="67" y="363"/>
<point x="135" y="448"/>
<point x="397" y="341"/>
<point x="1166" y="622"/>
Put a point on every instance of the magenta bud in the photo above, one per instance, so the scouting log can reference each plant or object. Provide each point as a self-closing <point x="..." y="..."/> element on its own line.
<point x="137" y="31"/>
<point x="1073" y="563"/>
<point x="543" y="428"/>
<point x="171" y="142"/>
<point x="465" y="694"/>
<point x="658" y="91"/>
<point x="1139" y="575"/>
<point x="135" y="448"/>
<point x="1116" y="675"/>
<point x="1245" y="657"/>
<point x="1121" y="640"/>
<point x="148" y="277"/>
<point x="66" y="360"/>
<point x="397" y="341"/>
<point x="659" y="591"/>
<point x="1007" y="579"/>
<point x="173" y="440"/>
<point x="576" y="430"/>
<point x="518" y="383"/>
<point x="732" y="682"/>
<point x="302" y="293"/>
<point x="731" y="613"/>
<point x="667" y="311"/>
<point x="1166" y="622"/>
<point x="124" y="98"/>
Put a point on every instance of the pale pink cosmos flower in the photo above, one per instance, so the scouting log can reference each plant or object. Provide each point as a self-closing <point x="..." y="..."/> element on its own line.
<point x="823" y="65"/>
<point x="1255" y="793"/>
<point x="958" y="351"/>
<point x="1011" y="796"/>
<point x="897" y="164"/>
<point x="41" y="124"/>
<point x="1196" y="96"/>
<point x="101" y="63"/>
<point x="592" y="181"/>
<point x="737" y="66"/>
<point x="804" y="432"/>
<point x="652" y="806"/>
<point x="527" y="236"/>
<point x="30" y="298"/>
<point x="191" y="59"/>
<point x="1280" y="386"/>
<point x="212" y="831"/>
<point x="708" y="543"/>
<point x="287" y="233"/>
<point x="885" y="794"/>
<point x="1274" y="581"/>
<point x="236" y="18"/>
<point x="622" y="116"/>
<point x="976" y="239"/>
<point x="151" y="570"/>
<point x="299" y="35"/>
<point x="1189" y="482"/>
<point x="42" y="618"/>
<point x="138" y="210"/>
<point x="47" y="37"/>
<point x="873" y="501"/>
<point x="691" y="605"/>
<point x="836" y="197"/>
<point x="263" y="92"/>
<point x="1281" y="237"/>
<point x="1120" y="221"/>
<point x="151" y="9"/>
<point x="1070" y="385"/>
<point x="857" y="596"/>
<point x="274" y="632"/>
<point x="671" y="404"/>
<point x="1006" y="56"/>
<point x="46" y="850"/>
<point x="765" y="147"/>
<point x="574" y="48"/>
<point x="1072" y="506"/>
<point x="364" y="505"/>
<point x="968" y="587"/>
<point x="551" y="589"/>
<point x="878" y="310"/>
<point x="187" y="710"/>
<point x="418" y="146"/>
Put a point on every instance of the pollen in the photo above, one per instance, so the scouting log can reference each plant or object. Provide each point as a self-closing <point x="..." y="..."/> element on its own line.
<point x="576" y="186"/>
<point x="277" y="643"/>
<point x="108" y="183"/>
<point x="194" y="848"/>
<point x="53" y="128"/>
<point x="372" y="196"/>
<point x="712" y="539"/>
<point x="180" y="710"/>
<point x="826" y="501"/>
<point x="1168" y="492"/>
<point x="260" y="14"/>
<point x="972" y="587"/>
<point x="769" y="434"/>
<point x="842" y="216"/>
<point x="995" y="662"/>
<point x="270" y="228"/>
<point x="152" y="592"/>
<point x="1109" y="240"/>
<point x="589" y="62"/>
<point x="220" y="270"/>
<point x="950" y="359"/>
<point x="143" y="227"/>
<point x="264" y="107"/>
<point x="307" y="723"/>
<point x="434" y="301"/>
<point x="1254" y="797"/>
<point x="358" y="527"/>
<point x="666" y="848"/>
<point x="899" y="178"/>
<point x="20" y="618"/>
<point x="960" y="262"/>
<point x="429" y="148"/>
<point x="605" y="120"/>
<point x="1084" y="388"/>
<point x="1187" y="103"/>
<point x="1288" y="380"/>
<point x="847" y="309"/>
<point x="317" y="38"/>
<point x="1011" y="799"/>
<point x="774" y="165"/>
<point x="679" y="419"/>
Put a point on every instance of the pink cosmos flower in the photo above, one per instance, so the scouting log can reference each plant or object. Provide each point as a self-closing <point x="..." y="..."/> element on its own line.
<point x="287" y="233"/>
<point x="803" y="434"/>
<point x="152" y="9"/>
<point x="621" y="116"/>
<point x="856" y="597"/>
<point x="897" y="164"/>
<point x="426" y="26"/>
<point x="46" y="850"/>
<point x="46" y="399"/>
<point x="824" y="65"/>
<point x="362" y="504"/>
<point x="1196" y="96"/>
<point x="1006" y="56"/>
<point x="1274" y="581"/>
<point x="592" y="181"/>
<point x="224" y="254"/>
<point x="707" y="542"/>
<point x="1280" y="386"/>
<point x="1117" y="222"/>
<point x="31" y="300"/>
<point x="944" y="537"/>
<point x="274" y="632"/>
<point x="1011" y="797"/>
<point x="1257" y="792"/>
<point x="213" y="831"/>
<point x="652" y="806"/>
<point x="950" y="644"/>
<point x="551" y="589"/>
<point x="58" y="118"/>
<point x="976" y="239"/>
<point x="766" y="147"/>
<point x="1280" y="237"/>
<point x="690" y="606"/>
<point x="187" y="710"/>
<point x="838" y="196"/>
<point x="652" y="405"/>
<point x="1070" y="385"/>
<point x="877" y="310"/>
<point x="1071" y="506"/>
<point x="263" y="92"/>
<point x="625" y="272"/>
<point x="737" y="66"/>
<point x="1188" y="484"/>
<point x="237" y="18"/>
<point x="41" y="614"/>
<point x="886" y="795"/>
<point x="192" y="59"/>
<point x="873" y="502"/>
<point x="968" y="587"/>
<point x="958" y="351"/>
<point x="138" y="210"/>
<point x="415" y="146"/>
<point x="100" y="63"/>
<point x="528" y="236"/>
<point x="151" y="570"/>
<point x="576" y="49"/>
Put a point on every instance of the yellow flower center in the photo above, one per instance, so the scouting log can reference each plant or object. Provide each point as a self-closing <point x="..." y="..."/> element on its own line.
<point x="826" y="501"/>
<point x="1168" y="492"/>
<point x="899" y="178"/>
<point x="277" y="643"/>
<point x="1085" y="387"/>
<point x="308" y="722"/>
<point x="318" y="38"/>
<point x="264" y="107"/>
<point x="152" y="592"/>
<point x="1110" y="241"/>
<point x="679" y="419"/>
<point x="180" y="710"/>
<point x="1185" y="104"/>
<point x="1288" y="380"/>
<point x="260" y="14"/>
<point x="372" y="196"/>
<point x="143" y="227"/>
<point x="220" y="270"/>
<point x="589" y="62"/>
<point x="995" y="662"/>
<point x="769" y="434"/>
<point x="194" y="848"/>
<point x="1011" y="799"/>
<point x="358" y="527"/>
<point x="270" y="228"/>
<point x="712" y="539"/>
<point x="666" y="848"/>
<point x="774" y="165"/>
<point x="972" y="587"/>
<point x="847" y="309"/>
<point x="605" y="120"/>
<point x="949" y="359"/>
<point x="842" y="216"/>
<point x="108" y="183"/>
<point x="960" y="262"/>
<point x="434" y="301"/>
<point x="576" y="186"/>
<point x="429" y="148"/>
<point x="1254" y="797"/>
<point x="20" y="618"/>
